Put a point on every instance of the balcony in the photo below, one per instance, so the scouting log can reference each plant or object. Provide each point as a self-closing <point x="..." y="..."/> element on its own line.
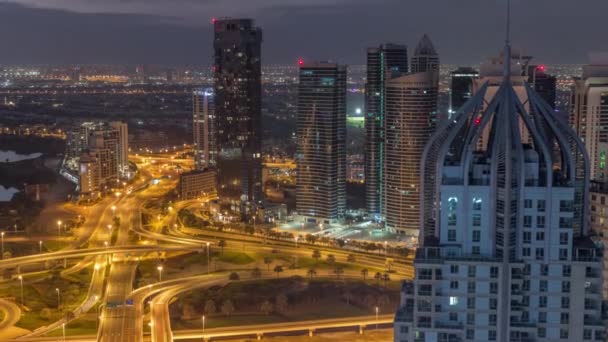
<point x="449" y="325"/>
<point x="595" y="322"/>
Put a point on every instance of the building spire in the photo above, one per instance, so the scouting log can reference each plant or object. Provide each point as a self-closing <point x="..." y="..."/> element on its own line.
<point x="507" y="51"/>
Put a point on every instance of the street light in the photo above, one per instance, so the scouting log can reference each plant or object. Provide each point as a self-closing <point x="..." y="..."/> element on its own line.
<point x="208" y="261"/>
<point x="97" y="311"/>
<point x="40" y="245"/>
<point x="160" y="272"/>
<point x="203" y="325"/>
<point x="58" y="297"/>
<point x="63" y="328"/>
<point x="59" y="228"/>
<point x="21" y="282"/>
<point x="2" y="244"/>
<point x="296" y="239"/>
<point x="376" y="318"/>
<point x="113" y="210"/>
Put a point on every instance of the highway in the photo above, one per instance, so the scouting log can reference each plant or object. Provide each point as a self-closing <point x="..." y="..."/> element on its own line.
<point x="308" y="327"/>
<point x="80" y="253"/>
<point x="123" y="308"/>
<point x="12" y="313"/>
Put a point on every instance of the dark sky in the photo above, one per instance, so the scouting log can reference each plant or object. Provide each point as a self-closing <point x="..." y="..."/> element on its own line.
<point x="179" y="31"/>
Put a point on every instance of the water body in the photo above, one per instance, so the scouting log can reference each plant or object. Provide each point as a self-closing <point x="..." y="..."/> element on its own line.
<point x="6" y="194"/>
<point x="12" y="156"/>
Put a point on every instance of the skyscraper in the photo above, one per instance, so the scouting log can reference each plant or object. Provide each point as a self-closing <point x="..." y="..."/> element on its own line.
<point x="409" y="119"/>
<point x="321" y="150"/>
<point x="508" y="256"/>
<point x="425" y="56"/>
<point x="589" y="114"/>
<point x="237" y="88"/>
<point x="543" y="83"/>
<point x="383" y="63"/>
<point x="203" y="117"/>
<point x="461" y="88"/>
<point x="122" y="131"/>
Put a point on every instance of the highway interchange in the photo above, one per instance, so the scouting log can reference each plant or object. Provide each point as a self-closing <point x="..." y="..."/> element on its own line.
<point x="115" y="252"/>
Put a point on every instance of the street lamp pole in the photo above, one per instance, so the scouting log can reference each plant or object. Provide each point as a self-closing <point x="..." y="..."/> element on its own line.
<point x="63" y="328"/>
<point x="376" y="318"/>
<point x="160" y="273"/>
<point x="40" y="245"/>
<point x="21" y="282"/>
<point x="59" y="228"/>
<point x="58" y="297"/>
<point x="208" y="260"/>
<point x="203" y="326"/>
<point x="2" y="244"/>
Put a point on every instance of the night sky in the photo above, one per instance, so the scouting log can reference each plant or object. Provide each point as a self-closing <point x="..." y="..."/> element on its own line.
<point x="179" y="31"/>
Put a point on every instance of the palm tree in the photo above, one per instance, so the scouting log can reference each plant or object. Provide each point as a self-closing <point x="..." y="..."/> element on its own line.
<point x="222" y="244"/>
<point x="351" y="258"/>
<point x="266" y="307"/>
<point x="386" y="278"/>
<point x="311" y="273"/>
<point x="227" y="307"/>
<point x="348" y="296"/>
<point x="364" y="273"/>
<point x="278" y="269"/>
<point x="331" y="259"/>
<point x="268" y="261"/>
<point x="256" y="273"/>
<point x="316" y="254"/>
<point x="338" y="271"/>
<point x="378" y="277"/>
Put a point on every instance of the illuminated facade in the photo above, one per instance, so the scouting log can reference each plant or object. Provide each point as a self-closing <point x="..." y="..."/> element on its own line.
<point x="505" y="253"/>
<point x="237" y="88"/>
<point x="589" y="114"/>
<point x="122" y="131"/>
<point x="203" y="116"/>
<point x="383" y="63"/>
<point x="410" y="116"/>
<point x="321" y="150"/>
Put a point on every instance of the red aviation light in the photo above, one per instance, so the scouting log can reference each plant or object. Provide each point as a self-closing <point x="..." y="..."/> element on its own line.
<point x="300" y="62"/>
<point x="477" y="121"/>
<point x="213" y="20"/>
<point x="541" y="68"/>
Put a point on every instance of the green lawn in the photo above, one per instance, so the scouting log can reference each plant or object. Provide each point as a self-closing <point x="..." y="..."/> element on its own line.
<point x="80" y="326"/>
<point x="236" y="258"/>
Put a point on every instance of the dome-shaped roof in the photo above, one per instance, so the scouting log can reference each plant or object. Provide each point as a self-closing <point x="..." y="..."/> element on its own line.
<point x="425" y="47"/>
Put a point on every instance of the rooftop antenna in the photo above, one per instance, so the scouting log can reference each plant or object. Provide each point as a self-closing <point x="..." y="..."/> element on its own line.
<point x="507" y="52"/>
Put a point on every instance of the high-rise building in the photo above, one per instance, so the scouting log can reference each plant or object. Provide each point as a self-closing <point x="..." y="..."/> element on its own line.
<point x="589" y="114"/>
<point x="89" y="174"/>
<point x="105" y="144"/>
<point x="383" y="63"/>
<point x="237" y="88"/>
<point x="461" y="88"/>
<point x="425" y="56"/>
<point x="203" y="113"/>
<point x="598" y="221"/>
<point x="543" y="83"/>
<point x="505" y="254"/>
<point x="122" y="131"/>
<point x="321" y="150"/>
<point x="409" y="119"/>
